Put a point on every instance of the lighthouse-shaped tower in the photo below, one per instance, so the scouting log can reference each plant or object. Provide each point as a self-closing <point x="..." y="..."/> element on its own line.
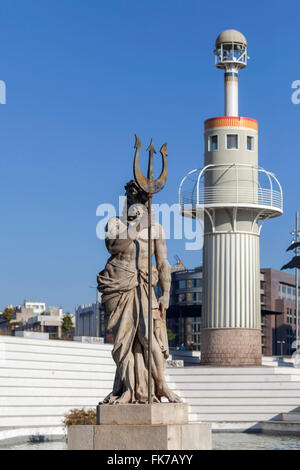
<point x="237" y="196"/>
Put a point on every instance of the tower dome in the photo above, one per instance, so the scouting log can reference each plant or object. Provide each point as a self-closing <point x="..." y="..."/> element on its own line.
<point x="230" y="36"/>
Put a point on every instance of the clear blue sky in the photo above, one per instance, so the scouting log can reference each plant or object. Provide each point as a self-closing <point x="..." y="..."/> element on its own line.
<point x="82" y="77"/>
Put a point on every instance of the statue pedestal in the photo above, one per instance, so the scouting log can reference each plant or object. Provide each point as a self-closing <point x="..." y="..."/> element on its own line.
<point x="161" y="426"/>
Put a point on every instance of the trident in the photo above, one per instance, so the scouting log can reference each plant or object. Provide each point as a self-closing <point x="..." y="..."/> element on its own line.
<point x="150" y="186"/>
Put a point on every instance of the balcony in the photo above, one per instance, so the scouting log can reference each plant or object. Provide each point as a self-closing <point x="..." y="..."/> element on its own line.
<point x="231" y="185"/>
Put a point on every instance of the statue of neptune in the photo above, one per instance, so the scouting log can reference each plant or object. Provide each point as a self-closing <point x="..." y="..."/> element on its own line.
<point x="124" y="287"/>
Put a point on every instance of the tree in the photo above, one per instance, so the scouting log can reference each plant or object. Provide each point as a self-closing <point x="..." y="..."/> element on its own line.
<point x="171" y="335"/>
<point x="67" y="323"/>
<point x="8" y="315"/>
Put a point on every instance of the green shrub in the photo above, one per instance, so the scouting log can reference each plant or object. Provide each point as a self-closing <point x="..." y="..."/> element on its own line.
<point x="80" y="416"/>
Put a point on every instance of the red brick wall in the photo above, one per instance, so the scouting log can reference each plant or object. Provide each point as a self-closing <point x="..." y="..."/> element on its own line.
<point x="231" y="347"/>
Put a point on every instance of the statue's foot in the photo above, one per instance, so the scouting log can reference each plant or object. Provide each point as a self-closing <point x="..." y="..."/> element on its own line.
<point x="124" y="398"/>
<point x="109" y="400"/>
<point x="171" y="396"/>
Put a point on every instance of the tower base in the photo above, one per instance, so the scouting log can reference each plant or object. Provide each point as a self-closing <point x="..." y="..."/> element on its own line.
<point x="231" y="347"/>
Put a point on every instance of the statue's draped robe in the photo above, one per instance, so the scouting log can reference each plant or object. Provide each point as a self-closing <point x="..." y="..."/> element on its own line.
<point x="125" y="299"/>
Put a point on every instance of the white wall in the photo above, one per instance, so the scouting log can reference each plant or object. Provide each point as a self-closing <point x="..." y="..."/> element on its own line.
<point x="40" y="381"/>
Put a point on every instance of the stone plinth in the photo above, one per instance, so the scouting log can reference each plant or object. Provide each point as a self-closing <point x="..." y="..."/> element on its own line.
<point x="161" y="426"/>
<point x="157" y="413"/>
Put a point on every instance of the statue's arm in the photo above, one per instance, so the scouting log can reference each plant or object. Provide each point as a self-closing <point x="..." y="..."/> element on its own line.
<point x="116" y="239"/>
<point x="163" y="267"/>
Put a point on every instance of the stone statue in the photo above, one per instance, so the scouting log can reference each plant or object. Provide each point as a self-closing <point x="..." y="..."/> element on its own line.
<point x="124" y="287"/>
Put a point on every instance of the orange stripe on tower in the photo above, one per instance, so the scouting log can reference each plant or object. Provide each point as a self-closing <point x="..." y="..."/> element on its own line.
<point x="231" y="121"/>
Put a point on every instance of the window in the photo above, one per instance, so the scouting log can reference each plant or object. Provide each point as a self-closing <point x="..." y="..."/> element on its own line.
<point x="181" y="298"/>
<point x="250" y="142"/>
<point x="232" y="141"/>
<point x="197" y="282"/>
<point x="289" y="316"/>
<point x="213" y="143"/>
<point x="182" y="284"/>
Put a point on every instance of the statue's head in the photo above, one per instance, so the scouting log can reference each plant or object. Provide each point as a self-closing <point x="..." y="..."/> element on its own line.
<point x="136" y="201"/>
<point x="134" y="194"/>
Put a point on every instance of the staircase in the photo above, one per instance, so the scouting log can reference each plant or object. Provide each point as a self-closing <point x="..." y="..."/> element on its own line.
<point x="41" y="380"/>
<point x="287" y="423"/>
<point x="236" y="398"/>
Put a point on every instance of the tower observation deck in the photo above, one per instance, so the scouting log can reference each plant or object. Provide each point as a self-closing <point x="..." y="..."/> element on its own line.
<point x="237" y="196"/>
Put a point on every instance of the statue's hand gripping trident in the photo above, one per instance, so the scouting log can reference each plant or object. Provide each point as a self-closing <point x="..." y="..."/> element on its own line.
<point x="150" y="186"/>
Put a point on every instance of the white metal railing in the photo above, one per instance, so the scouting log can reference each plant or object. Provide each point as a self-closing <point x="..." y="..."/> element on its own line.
<point x="255" y="188"/>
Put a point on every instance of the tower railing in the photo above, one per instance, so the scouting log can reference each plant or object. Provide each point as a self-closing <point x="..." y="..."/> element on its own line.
<point x="232" y="185"/>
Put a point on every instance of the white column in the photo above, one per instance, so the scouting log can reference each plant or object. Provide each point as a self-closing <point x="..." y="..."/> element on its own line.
<point x="231" y="281"/>
<point x="231" y="90"/>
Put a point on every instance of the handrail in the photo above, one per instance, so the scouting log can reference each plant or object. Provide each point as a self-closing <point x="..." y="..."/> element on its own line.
<point x="237" y="193"/>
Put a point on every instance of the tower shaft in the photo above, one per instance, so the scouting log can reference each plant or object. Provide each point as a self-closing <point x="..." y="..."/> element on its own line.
<point x="231" y="291"/>
<point x="231" y="94"/>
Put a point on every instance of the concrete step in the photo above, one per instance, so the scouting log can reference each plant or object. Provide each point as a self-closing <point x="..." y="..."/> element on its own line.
<point x="20" y="392"/>
<point x="55" y="410"/>
<point x="233" y="371"/>
<point x="280" y="427"/>
<point x="53" y="382"/>
<point x="178" y="379"/>
<point x="238" y="393"/>
<point x="271" y="410"/>
<point x="50" y="349"/>
<point x="237" y="401"/>
<point x="199" y="385"/>
<point x="54" y="343"/>
<point x="18" y="365"/>
<point x="56" y="374"/>
<point x="24" y="421"/>
<point x="292" y="416"/>
<point x="230" y="417"/>
<point x="60" y="358"/>
<point x="45" y="401"/>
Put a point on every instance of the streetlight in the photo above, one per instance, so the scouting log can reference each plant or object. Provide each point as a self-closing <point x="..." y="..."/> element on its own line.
<point x="295" y="233"/>
<point x="97" y="310"/>
<point x="295" y="263"/>
<point x="281" y="343"/>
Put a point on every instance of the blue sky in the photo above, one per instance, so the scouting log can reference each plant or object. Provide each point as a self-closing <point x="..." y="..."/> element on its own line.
<point x="82" y="77"/>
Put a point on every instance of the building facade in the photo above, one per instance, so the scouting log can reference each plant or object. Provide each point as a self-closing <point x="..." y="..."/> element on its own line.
<point x="278" y="290"/>
<point x="87" y="318"/>
<point x="184" y="314"/>
<point x="36" y="316"/>
<point x="278" y="310"/>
